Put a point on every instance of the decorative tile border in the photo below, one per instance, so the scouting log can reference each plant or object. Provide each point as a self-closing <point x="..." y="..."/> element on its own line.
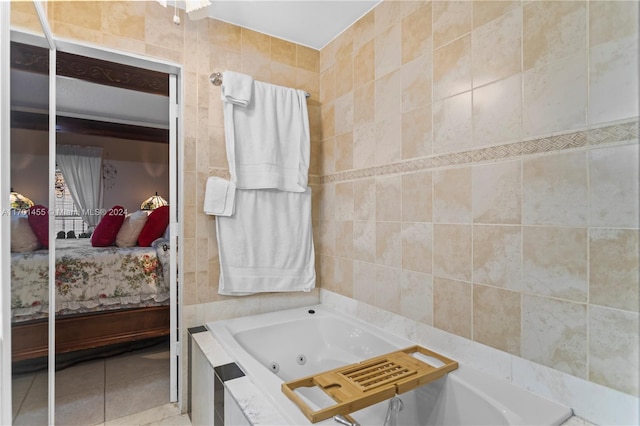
<point x="604" y="135"/>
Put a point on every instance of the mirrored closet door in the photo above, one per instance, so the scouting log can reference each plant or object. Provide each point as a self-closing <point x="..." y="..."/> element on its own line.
<point x="94" y="175"/>
<point x="29" y="198"/>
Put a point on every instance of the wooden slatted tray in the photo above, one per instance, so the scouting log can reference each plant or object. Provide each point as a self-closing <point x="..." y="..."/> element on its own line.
<point x="363" y="384"/>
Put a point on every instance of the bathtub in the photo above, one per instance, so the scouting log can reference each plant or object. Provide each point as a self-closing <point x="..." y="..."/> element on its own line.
<point x="282" y="346"/>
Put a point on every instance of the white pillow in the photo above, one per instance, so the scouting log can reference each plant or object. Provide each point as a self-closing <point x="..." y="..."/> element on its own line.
<point x="23" y="238"/>
<point x="131" y="228"/>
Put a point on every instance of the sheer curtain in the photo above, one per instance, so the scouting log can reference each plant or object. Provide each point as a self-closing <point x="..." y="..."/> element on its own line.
<point x="81" y="168"/>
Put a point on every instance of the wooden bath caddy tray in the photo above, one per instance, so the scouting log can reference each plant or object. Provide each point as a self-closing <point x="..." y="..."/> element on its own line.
<point x="368" y="382"/>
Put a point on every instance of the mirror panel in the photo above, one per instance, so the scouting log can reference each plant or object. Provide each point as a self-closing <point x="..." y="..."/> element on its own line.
<point x="29" y="228"/>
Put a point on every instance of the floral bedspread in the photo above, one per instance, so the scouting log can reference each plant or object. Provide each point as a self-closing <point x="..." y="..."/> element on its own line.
<point x="87" y="279"/>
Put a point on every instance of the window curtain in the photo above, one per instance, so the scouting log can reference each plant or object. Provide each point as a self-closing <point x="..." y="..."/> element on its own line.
<point x="81" y="168"/>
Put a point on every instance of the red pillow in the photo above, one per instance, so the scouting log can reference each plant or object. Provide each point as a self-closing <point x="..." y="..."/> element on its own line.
<point x="38" y="217"/>
<point x="105" y="233"/>
<point x="155" y="226"/>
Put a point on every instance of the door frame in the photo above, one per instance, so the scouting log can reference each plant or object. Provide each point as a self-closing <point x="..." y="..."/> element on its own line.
<point x="176" y="166"/>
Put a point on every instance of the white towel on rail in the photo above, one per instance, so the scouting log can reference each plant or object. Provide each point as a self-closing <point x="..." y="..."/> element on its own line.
<point x="267" y="245"/>
<point x="237" y="88"/>
<point x="268" y="143"/>
<point x="219" y="197"/>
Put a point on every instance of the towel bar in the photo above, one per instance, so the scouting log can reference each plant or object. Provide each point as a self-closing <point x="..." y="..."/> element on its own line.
<point x="216" y="79"/>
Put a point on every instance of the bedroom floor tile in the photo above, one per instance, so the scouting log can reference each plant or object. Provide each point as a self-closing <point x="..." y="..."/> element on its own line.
<point x="81" y="408"/>
<point x="110" y="389"/>
<point x="19" y="388"/>
<point x="142" y="363"/>
<point x="79" y="377"/>
<point x="34" y="408"/>
<point x="125" y="398"/>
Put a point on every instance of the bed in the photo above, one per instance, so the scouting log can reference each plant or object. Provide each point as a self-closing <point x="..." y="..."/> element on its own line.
<point x="104" y="296"/>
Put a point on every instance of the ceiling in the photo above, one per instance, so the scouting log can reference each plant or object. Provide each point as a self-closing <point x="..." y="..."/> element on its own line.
<point x="312" y="23"/>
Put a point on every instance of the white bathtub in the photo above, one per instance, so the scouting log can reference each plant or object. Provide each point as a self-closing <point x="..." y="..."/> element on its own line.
<point x="281" y="346"/>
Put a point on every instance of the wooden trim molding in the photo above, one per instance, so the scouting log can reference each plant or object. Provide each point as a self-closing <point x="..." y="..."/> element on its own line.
<point x="35" y="121"/>
<point x="36" y="59"/>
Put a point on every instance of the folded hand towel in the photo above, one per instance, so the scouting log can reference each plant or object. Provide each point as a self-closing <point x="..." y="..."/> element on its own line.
<point x="267" y="245"/>
<point x="219" y="197"/>
<point x="237" y="88"/>
<point x="268" y="143"/>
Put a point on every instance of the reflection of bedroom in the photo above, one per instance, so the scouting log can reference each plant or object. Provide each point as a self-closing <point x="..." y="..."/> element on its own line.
<point x="142" y="168"/>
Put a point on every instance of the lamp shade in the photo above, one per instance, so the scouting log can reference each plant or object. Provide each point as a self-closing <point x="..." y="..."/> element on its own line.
<point x="153" y="202"/>
<point x="19" y="201"/>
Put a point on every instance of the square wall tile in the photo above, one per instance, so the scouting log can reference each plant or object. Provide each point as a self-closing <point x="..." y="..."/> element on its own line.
<point x="416" y="33"/>
<point x="417" y="139"/>
<point x="452" y="306"/>
<point x="614" y="187"/>
<point x="451" y="19"/>
<point x="553" y="30"/>
<point x="343" y="114"/>
<point x="613" y="349"/>
<point x="417" y="246"/>
<point x="554" y="333"/>
<point x="324" y="237"/>
<point x="613" y="80"/>
<point x="388" y="288"/>
<point x="416" y="83"/>
<point x="364" y="241"/>
<point x="497" y="256"/>
<point x="496" y="48"/>
<point x="364" y="64"/>
<point x="452" y="195"/>
<point x="364" y="146"/>
<point x="554" y="190"/>
<point x="388" y="95"/>
<point x="612" y="20"/>
<point x="389" y="243"/>
<point x="343" y="276"/>
<point x="364" y="282"/>
<point x="614" y="275"/>
<point x="326" y="277"/>
<point x="452" y="68"/>
<point x="363" y="107"/>
<point x="452" y="251"/>
<point x="417" y="297"/>
<point x="388" y="140"/>
<point x="388" y="55"/>
<point x="452" y="128"/>
<point x="386" y="15"/>
<point x="554" y="262"/>
<point x="497" y="192"/>
<point x="344" y="239"/>
<point x="344" y="201"/>
<point x="389" y="198"/>
<point x="364" y="30"/>
<point x="364" y="199"/>
<point x="344" y="152"/>
<point x="555" y="96"/>
<point x="497" y="112"/>
<point x="345" y="75"/>
<point x="417" y="197"/>
<point x="328" y="85"/>
<point x="496" y="318"/>
<point x="488" y="10"/>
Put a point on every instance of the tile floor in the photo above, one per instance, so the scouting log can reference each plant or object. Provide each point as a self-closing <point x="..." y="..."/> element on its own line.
<point x="104" y="391"/>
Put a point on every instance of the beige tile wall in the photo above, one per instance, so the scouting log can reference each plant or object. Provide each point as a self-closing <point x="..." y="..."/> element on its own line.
<point x="480" y="175"/>
<point x="478" y="168"/>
